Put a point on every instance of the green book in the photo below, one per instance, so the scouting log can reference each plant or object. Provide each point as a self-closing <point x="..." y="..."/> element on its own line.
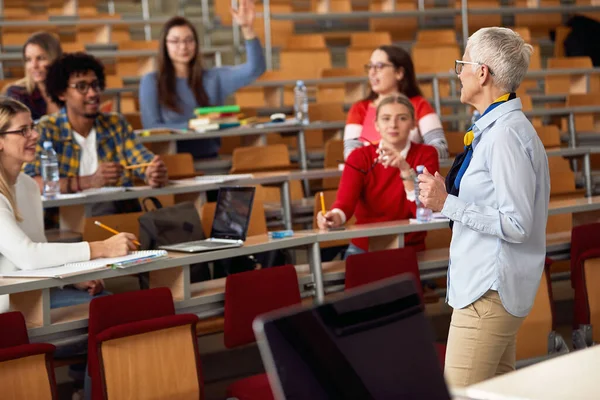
<point x="218" y="109"/>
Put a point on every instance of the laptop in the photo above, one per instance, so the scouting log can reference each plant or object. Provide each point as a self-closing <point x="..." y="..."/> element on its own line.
<point x="375" y="343"/>
<point x="230" y="224"/>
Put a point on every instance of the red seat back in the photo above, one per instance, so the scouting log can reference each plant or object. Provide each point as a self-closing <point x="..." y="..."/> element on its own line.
<point x="584" y="245"/>
<point x="13" y="331"/>
<point x="250" y="294"/>
<point x="374" y="266"/>
<point x="119" y="309"/>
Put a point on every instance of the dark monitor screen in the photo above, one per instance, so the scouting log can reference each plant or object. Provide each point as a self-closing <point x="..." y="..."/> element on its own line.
<point x="232" y="214"/>
<point x="375" y="343"/>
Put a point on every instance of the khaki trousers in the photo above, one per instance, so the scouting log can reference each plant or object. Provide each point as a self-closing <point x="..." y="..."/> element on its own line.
<point x="481" y="342"/>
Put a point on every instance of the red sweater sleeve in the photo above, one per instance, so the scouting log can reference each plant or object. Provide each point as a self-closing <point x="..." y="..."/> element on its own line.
<point x="357" y="112"/>
<point x="429" y="158"/>
<point x="422" y="107"/>
<point x="352" y="182"/>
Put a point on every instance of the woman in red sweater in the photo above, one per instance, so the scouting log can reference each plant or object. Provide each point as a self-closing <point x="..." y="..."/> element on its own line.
<point x="377" y="184"/>
<point x="391" y="72"/>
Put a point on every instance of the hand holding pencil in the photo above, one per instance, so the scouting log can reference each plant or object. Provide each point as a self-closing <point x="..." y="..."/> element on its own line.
<point x="327" y="219"/>
<point x="116" y="246"/>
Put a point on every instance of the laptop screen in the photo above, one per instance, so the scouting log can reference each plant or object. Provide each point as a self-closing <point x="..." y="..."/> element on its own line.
<point x="232" y="214"/>
<point x="375" y="343"/>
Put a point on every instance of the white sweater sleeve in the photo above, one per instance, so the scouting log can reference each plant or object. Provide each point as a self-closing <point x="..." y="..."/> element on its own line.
<point x="21" y="251"/>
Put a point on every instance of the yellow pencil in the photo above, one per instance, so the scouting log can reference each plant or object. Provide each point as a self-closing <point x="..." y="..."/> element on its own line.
<point x="137" y="166"/>
<point x="111" y="230"/>
<point x="323" y="209"/>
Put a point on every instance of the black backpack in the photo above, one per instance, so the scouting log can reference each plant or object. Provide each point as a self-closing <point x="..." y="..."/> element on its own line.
<point x="170" y="225"/>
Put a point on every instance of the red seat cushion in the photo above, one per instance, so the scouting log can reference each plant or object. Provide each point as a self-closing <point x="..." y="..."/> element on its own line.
<point x="253" y="388"/>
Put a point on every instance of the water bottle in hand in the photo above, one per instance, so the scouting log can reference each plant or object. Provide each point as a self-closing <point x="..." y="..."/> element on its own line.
<point x="423" y="214"/>
<point x="50" y="175"/>
<point x="301" y="103"/>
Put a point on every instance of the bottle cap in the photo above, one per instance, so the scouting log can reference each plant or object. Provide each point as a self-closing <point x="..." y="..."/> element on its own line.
<point x="420" y="169"/>
<point x="47" y="145"/>
<point x="299" y="83"/>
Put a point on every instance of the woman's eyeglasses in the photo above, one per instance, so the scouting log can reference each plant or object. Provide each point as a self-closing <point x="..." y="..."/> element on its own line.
<point x="26" y="131"/>
<point x="377" y="66"/>
<point x="361" y="170"/>
<point x="83" y="86"/>
<point x="459" y="65"/>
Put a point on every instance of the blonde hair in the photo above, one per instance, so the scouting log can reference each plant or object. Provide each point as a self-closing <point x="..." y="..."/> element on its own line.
<point x="9" y="108"/>
<point x="50" y="44"/>
<point x="396" y="99"/>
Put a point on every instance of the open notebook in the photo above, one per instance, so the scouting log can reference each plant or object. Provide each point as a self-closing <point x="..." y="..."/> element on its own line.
<point x="133" y="258"/>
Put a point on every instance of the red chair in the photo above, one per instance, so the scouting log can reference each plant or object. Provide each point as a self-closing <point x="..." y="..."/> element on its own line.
<point x="26" y="369"/>
<point x="584" y="245"/>
<point x="248" y="295"/>
<point x="138" y="348"/>
<point x="365" y="268"/>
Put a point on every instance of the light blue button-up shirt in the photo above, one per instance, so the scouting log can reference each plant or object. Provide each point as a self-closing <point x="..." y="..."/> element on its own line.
<point x="500" y="214"/>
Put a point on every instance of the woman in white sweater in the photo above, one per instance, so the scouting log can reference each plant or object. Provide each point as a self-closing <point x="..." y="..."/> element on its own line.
<point x="23" y="244"/>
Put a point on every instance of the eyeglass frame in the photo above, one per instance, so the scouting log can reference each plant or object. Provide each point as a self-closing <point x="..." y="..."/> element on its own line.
<point x="460" y="62"/>
<point x="21" y="131"/>
<point x="378" y="66"/>
<point x="89" y="85"/>
<point x="362" y="171"/>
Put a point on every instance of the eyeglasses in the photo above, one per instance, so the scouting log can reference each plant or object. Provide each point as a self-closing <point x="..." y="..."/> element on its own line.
<point x="378" y="66"/>
<point x="458" y="66"/>
<point x="26" y="131"/>
<point x="185" y="42"/>
<point x="83" y="86"/>
<point x="361" y="170"/>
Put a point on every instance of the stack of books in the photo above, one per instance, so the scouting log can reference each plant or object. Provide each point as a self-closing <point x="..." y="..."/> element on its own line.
<point x="215" y="118"/>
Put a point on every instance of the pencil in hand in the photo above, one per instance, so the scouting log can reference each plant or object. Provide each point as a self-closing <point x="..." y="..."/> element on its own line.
<point x="323" y="209"/>
<point x="136" y="166"/>
<point x="111" y="230"/>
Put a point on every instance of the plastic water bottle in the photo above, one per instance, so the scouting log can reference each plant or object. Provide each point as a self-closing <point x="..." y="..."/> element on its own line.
<point x="423" y="214"/>
<point x="50" y="174"/>
<point x="475" y="117"/>
<point x="301" y="103"/>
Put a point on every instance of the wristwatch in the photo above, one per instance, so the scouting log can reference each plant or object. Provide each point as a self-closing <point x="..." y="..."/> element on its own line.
<point x="412" y="175"/>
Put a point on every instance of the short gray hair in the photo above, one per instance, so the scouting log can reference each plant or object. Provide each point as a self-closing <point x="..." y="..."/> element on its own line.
<point x="504" y="52"/>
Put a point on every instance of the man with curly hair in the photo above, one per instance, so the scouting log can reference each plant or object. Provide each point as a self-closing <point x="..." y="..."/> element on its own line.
<point x="92" y="147"/>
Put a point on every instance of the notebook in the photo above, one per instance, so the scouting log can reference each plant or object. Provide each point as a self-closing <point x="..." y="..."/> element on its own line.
<point x="71" y="269"/>
<point x="212" y="179"/>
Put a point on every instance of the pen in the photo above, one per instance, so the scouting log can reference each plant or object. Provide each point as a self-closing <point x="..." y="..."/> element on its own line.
<point x="323" y="209"/>
<point x="111" y="230"/>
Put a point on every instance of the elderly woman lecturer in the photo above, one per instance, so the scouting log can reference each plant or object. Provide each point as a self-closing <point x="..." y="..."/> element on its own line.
<point x="496" y="195"/>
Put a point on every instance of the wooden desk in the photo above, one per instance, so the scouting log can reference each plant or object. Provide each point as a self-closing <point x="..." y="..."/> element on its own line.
<point x="573" y="376"/>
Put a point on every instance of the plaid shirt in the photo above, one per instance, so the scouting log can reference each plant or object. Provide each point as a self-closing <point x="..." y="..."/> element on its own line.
<point x="115" y="141"/>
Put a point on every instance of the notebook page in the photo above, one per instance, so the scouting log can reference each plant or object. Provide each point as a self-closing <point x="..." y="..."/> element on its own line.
<point x="83" y="267"/>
